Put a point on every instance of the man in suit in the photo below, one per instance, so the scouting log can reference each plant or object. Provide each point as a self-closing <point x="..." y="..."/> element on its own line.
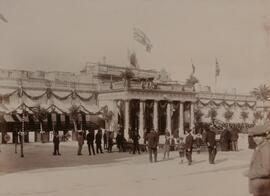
<point x="136" y="146"/>
<point x="56" y="143"/>
<point x="189" y="146"/>
<point x="90" y="141"/>
<point x="152" y="139"/>
<point x="98" y="141"/>
<point x="211" y="144"/>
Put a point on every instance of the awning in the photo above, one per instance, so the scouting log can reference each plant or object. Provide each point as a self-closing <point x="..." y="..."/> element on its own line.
<point x="26" y="118"/>
<point x="8" y="118"/>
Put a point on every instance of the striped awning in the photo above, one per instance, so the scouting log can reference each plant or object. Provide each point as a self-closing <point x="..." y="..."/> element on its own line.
<point x="8" y="118"/>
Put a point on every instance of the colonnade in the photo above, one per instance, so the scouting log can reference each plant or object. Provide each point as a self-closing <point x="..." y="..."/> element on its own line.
<point x="155" y="120"/>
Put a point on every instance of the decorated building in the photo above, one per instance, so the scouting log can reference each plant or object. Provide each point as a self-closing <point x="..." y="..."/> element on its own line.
<point x="128" y="99"/>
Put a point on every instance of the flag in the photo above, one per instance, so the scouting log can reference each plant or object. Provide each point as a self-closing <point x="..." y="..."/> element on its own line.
<point x="217" y="68"/>
<point x="193" y="69"/>
<point x="141" y="37"/>
<point x="3" y="18"/>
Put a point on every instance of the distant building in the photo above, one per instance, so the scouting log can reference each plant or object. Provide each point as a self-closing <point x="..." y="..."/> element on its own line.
<point x="139" y="100"/>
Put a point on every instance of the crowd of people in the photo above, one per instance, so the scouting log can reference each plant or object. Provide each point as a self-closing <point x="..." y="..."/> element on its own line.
<point x="185" y="144"/>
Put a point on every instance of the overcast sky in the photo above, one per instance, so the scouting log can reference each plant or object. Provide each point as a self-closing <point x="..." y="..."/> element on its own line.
<point x="65" y="34"/>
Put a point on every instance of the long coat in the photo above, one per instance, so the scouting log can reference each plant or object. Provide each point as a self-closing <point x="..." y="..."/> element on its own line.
<point x="211" y="139"/>
<point x="152" y="139"/>
<point x="189" y="142"/>
<point x="259" y="170"/>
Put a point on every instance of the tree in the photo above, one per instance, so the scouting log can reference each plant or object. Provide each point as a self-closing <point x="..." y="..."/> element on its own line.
<point x="212" y="114"/>
<point x="228" y="115"/>
<point x="244" y="116"/>
<point x="74" y="115"/>
<point x="41" y="115"/>
<point x="198" y="115"/>
<point x="258" y="115"/>
<point x="262" y="93"/>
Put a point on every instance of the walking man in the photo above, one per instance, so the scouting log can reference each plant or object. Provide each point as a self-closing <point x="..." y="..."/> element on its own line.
<point x="80" y="139"/>
<point x="105" y="139"/>
<point x="152" y="139"/>
<point x="110" y="141"/>
<point x="90" y="137"/>
<point x="211" y="144"/>
<point x="98" y="141"/>
<point x="167" y="145"/>
<point x="56" y="143"/>
<point x="234" y="139"/>
<point x="136" y="137"/>
<point x="189" y="146"/>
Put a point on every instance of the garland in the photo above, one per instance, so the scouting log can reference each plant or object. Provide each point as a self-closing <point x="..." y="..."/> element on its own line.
<point x="83" y="98"/>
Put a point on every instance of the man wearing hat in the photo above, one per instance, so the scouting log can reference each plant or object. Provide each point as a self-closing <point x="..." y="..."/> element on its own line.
<point x="189" y="146"/>
<point x="259" y="169"/>
<point x="211" y="143"/>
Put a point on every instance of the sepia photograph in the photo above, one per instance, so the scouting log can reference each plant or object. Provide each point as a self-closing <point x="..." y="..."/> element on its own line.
<point x="134" y="97"/>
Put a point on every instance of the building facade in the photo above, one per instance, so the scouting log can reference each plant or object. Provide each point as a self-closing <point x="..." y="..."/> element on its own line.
<point x="139" y="100"/>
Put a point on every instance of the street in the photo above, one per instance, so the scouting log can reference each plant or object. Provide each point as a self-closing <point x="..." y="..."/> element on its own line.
<point x="40" y="173"/>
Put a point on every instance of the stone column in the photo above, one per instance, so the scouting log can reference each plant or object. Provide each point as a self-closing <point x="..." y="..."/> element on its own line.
<point x="169" y="119"/>
<point x="155" y="118"/>
<point x="141" y="120"/>
<point x="181" y="119"/>
<point x="192" y="115"/>
<point x="126" y="119"/>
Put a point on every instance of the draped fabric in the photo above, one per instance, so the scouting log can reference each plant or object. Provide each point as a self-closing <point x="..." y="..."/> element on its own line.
<point x="226" y="103"/>
<point x="187" y="115"/>
<point x="149" y="114"/>
<point x="162" y="116"/>
<point x="134" y="115"/>
<point x="121" y="111"/>
<point x="38" y="94"/>
<point x="175" y="118"/>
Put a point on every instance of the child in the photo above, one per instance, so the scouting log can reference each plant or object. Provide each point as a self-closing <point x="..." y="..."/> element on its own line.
<point x="181" y="148"/>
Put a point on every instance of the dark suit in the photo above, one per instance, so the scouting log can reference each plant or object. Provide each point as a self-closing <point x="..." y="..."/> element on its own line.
<point x="152" y="139"/>
<point x="90" y="142"/>
<point x="212" y="145"/>
<point x="188" y="147"/>
<point x="136" y="138"/>
<point x="56" y="143"/>
<point x="98" y="142"/>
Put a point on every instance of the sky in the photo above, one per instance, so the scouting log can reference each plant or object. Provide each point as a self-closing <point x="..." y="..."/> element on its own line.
<point x="64" y="35"/>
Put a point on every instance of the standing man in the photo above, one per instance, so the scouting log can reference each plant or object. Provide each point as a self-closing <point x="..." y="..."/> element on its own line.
<point x="110" y="141"/>
<point x="211" y="144"/>
<point x="90" y="137"/>
<point x="167" y="145"/>
<point x="152" y="139"/>
<point x="56" y="143"/>
<point x="98" y="141"/>
<point x="105" y="139"/>
<point x="259" y="169"/>
<point x="189" y="146"/>
<point x="136" y="147"/>
<point x="234" y="139"/>
<point x="80" y="139"/>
